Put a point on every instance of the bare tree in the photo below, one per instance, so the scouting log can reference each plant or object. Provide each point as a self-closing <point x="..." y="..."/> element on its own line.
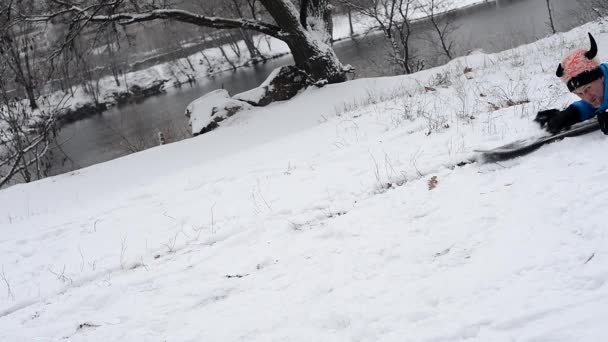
<point x="88" y="76"/>
<point x="351" y="31"/>
<point x="393" y="18"/>
<point x="66" y="77"/>
<point x="24" y="139"/>
<point x="310" y="53"/>
<point x="600" y="8"/>
<point x="238" y="8"/>
<point x="220" y="46"/>
<point x="233" y="43"/>
<point x="111" y="38"/>
<point x="551" y="25"/>
<point x="441" y="24"/>
<point x="18" y="49"/>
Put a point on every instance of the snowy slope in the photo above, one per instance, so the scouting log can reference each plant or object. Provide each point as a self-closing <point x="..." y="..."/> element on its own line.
<point x="319" y="219"/>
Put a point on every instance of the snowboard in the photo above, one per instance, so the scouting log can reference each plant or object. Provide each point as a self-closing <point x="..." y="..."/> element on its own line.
<point x="524" y="146"/>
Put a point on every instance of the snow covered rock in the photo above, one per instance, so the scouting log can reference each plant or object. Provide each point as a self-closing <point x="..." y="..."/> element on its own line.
<point x="282" y="84"/>
<point x="137" y="92"/>
<point x="208" y="111"/>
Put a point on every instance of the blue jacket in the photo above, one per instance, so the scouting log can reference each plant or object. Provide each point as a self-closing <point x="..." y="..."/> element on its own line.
<point x="585" y="109"/>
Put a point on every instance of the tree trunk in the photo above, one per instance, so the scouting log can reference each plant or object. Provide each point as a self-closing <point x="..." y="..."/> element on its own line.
<point x="247" y="36"/>
<point x="29" y="80"/>
<point x="350" y="22"/>
<point x="31" y="97"/>
<point x="248" y="39"/>
<point x="233" y="43"/>
<point x="219" y="45"/>
<point x="324" y="9"/>
<point x="322" y="22"/>
<point x="551" y="18"/>
<point x="23" y="74"/>
<point x="112" y="60"/>
<point x="206" y="59"/>
<point x="313" y="56"/>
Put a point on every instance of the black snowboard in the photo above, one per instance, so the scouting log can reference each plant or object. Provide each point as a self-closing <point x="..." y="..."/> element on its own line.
<point x="525" y="146"/>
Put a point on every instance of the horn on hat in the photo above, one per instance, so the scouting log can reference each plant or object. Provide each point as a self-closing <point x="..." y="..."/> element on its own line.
<point x="560" y="70"/>
<point x="593" y="51"/>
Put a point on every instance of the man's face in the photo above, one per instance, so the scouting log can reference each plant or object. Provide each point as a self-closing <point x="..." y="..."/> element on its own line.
<point x="592" y="92"/>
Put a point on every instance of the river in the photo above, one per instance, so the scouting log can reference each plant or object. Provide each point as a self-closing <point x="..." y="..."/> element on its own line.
<point x="491" y="27"/>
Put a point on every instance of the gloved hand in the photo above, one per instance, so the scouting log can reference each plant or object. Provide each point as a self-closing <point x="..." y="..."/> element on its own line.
<point x="544" y="116"/>
<point x="602" y="118"/>
<point x="557" y="120"/>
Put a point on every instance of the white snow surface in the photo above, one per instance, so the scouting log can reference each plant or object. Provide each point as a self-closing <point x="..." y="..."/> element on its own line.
<point x="210" y="107"/>
<point x="318" y="219"/>
<point x="255" y="95"/>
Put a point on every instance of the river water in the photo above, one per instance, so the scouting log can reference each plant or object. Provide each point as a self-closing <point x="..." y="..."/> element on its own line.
<point x="492" y="27"/>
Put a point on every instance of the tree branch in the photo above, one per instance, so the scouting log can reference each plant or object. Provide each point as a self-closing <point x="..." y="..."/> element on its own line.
<point x="303" y="12"/>
<point x="171" y="14"/>
<point x="20" y="158"/>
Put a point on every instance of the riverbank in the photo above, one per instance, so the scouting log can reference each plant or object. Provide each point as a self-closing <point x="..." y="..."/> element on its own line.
<point x="138" y="85"/>
<point x="156" y="79"/>
<point x="145" y="84"/>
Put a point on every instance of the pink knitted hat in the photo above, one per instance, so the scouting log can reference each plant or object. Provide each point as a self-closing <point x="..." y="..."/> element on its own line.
<point x="580" y="67"/>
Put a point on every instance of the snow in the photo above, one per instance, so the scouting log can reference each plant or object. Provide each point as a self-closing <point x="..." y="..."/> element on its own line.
<point x="313" y="219"/>
<point x="363" y="24"/>
<point x="212" y="107"/>
<point x="255" y="95"/>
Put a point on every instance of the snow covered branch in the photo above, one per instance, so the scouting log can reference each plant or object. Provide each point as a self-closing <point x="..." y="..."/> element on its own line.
<point x="25" y="139"/>
<point x="311" y="52"/>
<point x="25" y="155"/>
<point x="83" y="14"/>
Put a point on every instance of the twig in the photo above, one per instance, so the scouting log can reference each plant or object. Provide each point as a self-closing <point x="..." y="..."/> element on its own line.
<point x="376" y="168"/>
<point x="81" y="259"/>
<point x="123" y="249"/>
<point x="171" y="244"/>
<point x="590" y="257"/>
<point x="169" y="216"/>
<point x="9" y="292"/>
<point x="212" y="219"/>
<point x="61" y="276"/>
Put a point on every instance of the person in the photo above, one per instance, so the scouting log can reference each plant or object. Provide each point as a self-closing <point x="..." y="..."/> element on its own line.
<point x="588" y="79"/>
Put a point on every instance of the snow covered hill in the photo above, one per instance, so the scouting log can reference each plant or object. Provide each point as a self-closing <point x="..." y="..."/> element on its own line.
<point x="341" y="215"/>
